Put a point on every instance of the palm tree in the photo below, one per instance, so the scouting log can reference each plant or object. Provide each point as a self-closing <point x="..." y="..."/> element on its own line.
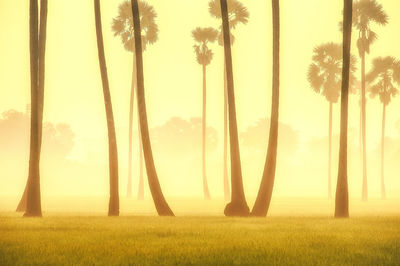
<point x="204" y="55"/>
<point x="366" y="12"/>
<point x="238" y="205"/>
<point x="237" y="13"/>
<point x="264" y="196"/>
<point x="324" y="75"/>
<point x="113" y="207"/>
<point x="383" y="77"/>
<point x="123" y="26"/>
<point x="161" y="204"/>
<point x="30" y="201"/>
<point x="342" y="193"/>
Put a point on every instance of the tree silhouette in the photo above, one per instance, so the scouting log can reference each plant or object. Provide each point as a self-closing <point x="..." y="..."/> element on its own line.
<point x="383" y="77"/>
<point x="30" y="201"/>
<point x="342" y="193"/>
<point x="238" y="205"/>
<point x="366" y="12"/>
<point x="264" y="196"/>
<point x="325" y="76"/>
<point x="178" y="138"/>
<point x="123" y="26"/>
<point x="161" y="204"/>
<point x="113" y="207"/>
<point x="237" y="14"/>
<point x="204" y="55"/>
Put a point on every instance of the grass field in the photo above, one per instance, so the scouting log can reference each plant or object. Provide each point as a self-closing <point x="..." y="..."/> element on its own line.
<point x="74" y="239"/>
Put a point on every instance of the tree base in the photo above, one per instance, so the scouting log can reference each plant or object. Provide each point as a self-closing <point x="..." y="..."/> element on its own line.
<point x="237" y="210"/>
<point x="20" y="209"/>
<point x="32" y="215"/>
<point x="113" y="213"/>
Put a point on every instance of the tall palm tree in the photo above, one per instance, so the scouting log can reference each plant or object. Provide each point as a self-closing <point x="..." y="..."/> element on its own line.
<point x="155" y="188"/>
<point x="204" y="55"/>
<point x="113" y="207"/>
<point x="264" y="196"/>
<point x="383" y="77"/>
<point x="342" y="193"/>
<point x="238" y="205"/>
<point x="366" y="12"/>
<point x="237" y="14"/>
<point x="123" y="26"/>
<point x="30" y="201"/>
<point x="325" y="76"/>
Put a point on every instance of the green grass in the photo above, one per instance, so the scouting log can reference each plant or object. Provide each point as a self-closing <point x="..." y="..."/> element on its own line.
<point x="144" y="240"/>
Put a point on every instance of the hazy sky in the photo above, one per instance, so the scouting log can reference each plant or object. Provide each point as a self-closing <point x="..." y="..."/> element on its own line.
<point x="73" y="92"/>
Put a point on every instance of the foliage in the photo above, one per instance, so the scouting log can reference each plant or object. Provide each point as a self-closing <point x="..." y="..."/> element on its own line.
<point x="180" y="137"/>
<point x="383" y="77"/>
<point x="325" y="72"/>
<point x="123" y="25"/>
<point x="203" y="36"/>
<point x="364" y="13"/>
<point x="237" y="13"/>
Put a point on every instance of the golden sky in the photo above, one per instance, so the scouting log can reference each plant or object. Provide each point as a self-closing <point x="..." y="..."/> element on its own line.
<point x="73" y="92"/>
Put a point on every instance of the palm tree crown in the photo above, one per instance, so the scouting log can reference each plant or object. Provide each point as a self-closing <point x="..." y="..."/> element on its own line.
<point x="203" y="36"/>
<point x="123" y="25"/>
<point x="237" y="13"/>
<point x="383" y="77"/>
<point x="365" y="12"/>
<point x="325" y="72"/>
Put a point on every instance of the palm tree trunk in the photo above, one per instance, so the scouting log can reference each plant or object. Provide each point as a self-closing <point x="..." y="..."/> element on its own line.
<point x="360" y="133"/>
<point x="364" y="138"/>
<point x="264" y="196"/>
<point x="227" y="192"/>
<point x="22" y="203"/>
<point x="155" y="188"/>
<point x="141" y="180"/>
<point x="113" y="207"/>
<point x="383" y="190"/>
<point x="33" y="204"/>
<point x="204" y="128"/>
<point x="133" y="84"/>
<point x="342" y="194"/>
<point x="330" y="152"/>
<point x="42" y="52"/>
<point x="42" y="62"/>
<point x="238" y="205"/>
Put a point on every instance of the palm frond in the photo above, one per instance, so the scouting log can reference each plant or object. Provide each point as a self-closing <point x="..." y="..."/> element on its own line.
<point x="382" y="77"/>
<point x="122" y="25"/>
<point x="315" y="78"/>
<point x="367" y="11"/>
<point x="205" y="34"/>
<point x="237" y="12"/>
<point x="325" y="71"/>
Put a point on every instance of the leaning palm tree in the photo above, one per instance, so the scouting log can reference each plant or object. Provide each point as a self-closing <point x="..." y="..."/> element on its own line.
<point x="383" y="77"/>
<point x="123" y="26"/>
<point x="237" y="14"/>
<point x="30" y="201"/>
<point x="155" y="188"/>
<point x="204" y="55"/>
<point x="342" y="192"/>
<point x="264" y="196"/>
<point x="366" y="12"/>
<point x="238" y="205"/>
<point x="325" y="75"/>
<point x="113" y="207"/>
